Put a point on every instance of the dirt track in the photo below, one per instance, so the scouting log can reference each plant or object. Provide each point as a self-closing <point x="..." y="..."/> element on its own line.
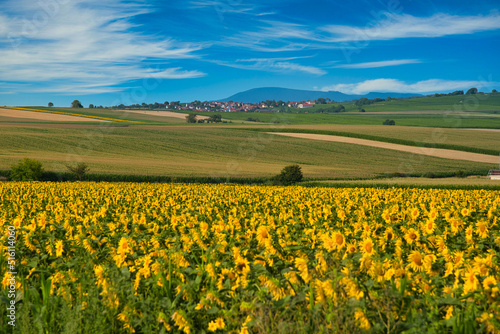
<point x="42" y="116"/>
<point x="435" y="152"/>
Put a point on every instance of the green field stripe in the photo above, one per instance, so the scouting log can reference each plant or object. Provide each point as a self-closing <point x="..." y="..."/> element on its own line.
<point x="384" y="139"/>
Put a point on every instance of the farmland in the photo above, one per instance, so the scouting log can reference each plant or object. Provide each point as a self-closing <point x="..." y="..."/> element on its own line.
<point x="208" y="150"/>
<point x="331" y="257"/>
<point x="124" y="258"/>
<point x="153" y="142"/>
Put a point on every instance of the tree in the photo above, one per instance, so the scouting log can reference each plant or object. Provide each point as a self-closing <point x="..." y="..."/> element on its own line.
<point x="321" y="101"/>
<point x="51" y="104"/>
<point x="79" y="169"/>
<point x="215" y="118"/>
<point x="471" y="91"/>
<point x="389" y="122"/>
<point x="27" y="170"/>
<point x="494" y="91"/>
<point x="288" y="176"/>
<point x="76" y="104"/>
<point x="191" y="118"/>
<point x="91" y="106"/>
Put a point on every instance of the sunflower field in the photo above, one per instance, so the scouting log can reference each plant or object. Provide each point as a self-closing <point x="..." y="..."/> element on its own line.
<point x="185" y="258"/>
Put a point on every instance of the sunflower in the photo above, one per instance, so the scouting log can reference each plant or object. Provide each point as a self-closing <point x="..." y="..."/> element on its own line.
<point x="339" y="240"/>
<point x="301" y="265"/>
<point x="389" y="234"/>
<point x="361" y="319"/>
<point x="433" y="215"/>
<point x="482" y="228"/>
<point x="455" y="225"/>
<point x="367" y="247"/>
<point x="262" y="234"/>
<point x="488" y="282"/>
<point x="449" y="312"/>
<point x="351" y="248"/>
<point x="458" y="259"/>
<point x="242" y="265"/>
<point x="471" y="283"/>
<point x="59" y="248"/>
<point x="411" y="236"/>
<point x="465" y="212"/>
<point x="414" y="213"/>
<point x="469" y="233"/>
<point x="416" y="261"/>
<point x="429" y="227"/>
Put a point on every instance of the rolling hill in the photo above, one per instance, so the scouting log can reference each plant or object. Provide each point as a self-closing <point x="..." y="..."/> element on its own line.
<point x="286" y="94"/>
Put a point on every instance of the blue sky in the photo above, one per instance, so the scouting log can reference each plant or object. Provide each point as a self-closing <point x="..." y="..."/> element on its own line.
<point x="116" y="51"/>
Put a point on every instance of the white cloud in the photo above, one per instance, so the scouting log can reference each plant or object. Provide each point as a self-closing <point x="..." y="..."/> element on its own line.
<point x="384" y="63"/>
<point x="223" y="7"/>
<point x="84" y="42"/>
<point x="397" y="86"/>
<point x="273" y="65"/>
<point x="407" y="26"/>
<point x="274" y="36"/>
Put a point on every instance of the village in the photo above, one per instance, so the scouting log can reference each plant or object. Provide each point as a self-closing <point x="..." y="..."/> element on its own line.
<point x="229" y="106"/>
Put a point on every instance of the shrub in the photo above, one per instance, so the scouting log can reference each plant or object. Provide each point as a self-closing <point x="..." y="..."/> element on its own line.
<point x="191" y="118"/>
<point x="389" y="122"/>
<point x="79" y="169"/>
<point x="288" y="176"/>
<point x="27" y="170"/>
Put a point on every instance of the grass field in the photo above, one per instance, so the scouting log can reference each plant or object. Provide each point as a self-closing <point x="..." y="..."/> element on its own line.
<point x="488" y="140"/>
<point x="208" y="151"/>
<point x="480" y="103"/>
<point x="443" y="119"/>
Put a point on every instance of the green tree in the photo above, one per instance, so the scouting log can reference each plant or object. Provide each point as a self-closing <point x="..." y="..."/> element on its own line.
<point x="76" y="104"/>
<point x="288" y="176"/>
<point x="27" y="170"/>
<point x="51" y="104"/>
<point x="389" y="122"/>
<point x="217" y="118"/>
<point x="471" y="91"/>
<point x="79" y="169"/>
<point x="191" y="118"/>
<point x="321" y="101"/>
<point x="91" y="106"/>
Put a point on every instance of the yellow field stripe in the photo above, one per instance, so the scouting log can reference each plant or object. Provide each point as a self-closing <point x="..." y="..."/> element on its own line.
<point x="73" y="114"/>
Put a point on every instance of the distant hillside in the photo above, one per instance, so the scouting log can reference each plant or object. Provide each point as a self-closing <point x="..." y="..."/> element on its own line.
<point x="285" y="94"/>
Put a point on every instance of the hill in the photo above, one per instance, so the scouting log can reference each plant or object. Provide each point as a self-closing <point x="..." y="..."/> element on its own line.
<point x="286" y="94"/>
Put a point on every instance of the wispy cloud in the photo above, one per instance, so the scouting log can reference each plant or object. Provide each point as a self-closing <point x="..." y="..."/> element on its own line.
<point x="272" y="36"/>
<point x="397" y="86"/>
<point x="407" y="26"/>
<point x="384" y="63"/>
<point x="225" y="6"/>
<point x="273" y="65"/>
<point x="86" y="42"/>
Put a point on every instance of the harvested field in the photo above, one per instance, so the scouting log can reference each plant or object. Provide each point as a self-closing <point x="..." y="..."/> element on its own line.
<point x="170" y="114"/>
<point x="16" y="114"/>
